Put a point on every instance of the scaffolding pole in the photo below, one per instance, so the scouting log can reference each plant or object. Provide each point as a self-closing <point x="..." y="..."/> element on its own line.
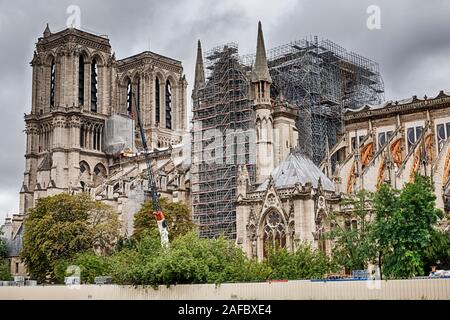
<point x="223" y="105"/>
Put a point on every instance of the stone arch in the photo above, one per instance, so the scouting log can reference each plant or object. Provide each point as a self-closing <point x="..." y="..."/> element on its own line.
<point x="123" y="92"/>
<point x="98" y="58"/>
<point x="85" y="175"/>
<point x="85" y="53"/>
<point x="59" y="53"/>
<point x="135" y="76"/>
<point x="172" y="79"/>
<point x="160" y="75"/>
<point x="99" y="174"/>
<point x="49" y="57"/>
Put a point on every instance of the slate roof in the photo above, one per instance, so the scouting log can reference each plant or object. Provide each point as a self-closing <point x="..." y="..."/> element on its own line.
<point x="297" y="169"/>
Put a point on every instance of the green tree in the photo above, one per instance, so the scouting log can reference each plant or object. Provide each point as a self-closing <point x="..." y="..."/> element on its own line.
<point x="61" y="226"/>
<point x="177" y="215"/>
<point x="385" y="204"/>
<point x="438" y="252"/>
<point x="304" y="263"/>
<point x="405" y="227"/>
<point x="189" y="259"/>
<point x="350" y="231"/>
<point x="91" y="265"/>
<point x="4" y="265"/>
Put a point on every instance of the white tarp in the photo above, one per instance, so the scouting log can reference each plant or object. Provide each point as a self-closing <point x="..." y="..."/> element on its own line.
<point x="119" y="134"/>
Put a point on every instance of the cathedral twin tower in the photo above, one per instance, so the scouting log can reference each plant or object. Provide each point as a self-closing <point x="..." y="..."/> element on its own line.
<point x="77" y="86"/>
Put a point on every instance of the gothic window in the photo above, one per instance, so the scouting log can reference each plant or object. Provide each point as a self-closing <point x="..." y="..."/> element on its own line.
<point x="52" y="83"/>
<point x="168" y="105"/>
<point x="157" y="101"/>
<point x="94" y="85"/>
<point x="129" y="98"/>
<point x="82" y="138"/>
<point x="442" y="133"/>
<point x="274" y="232"/>
<point x="413" y="134"/>
<point x="81" y="80"/>
<point x="383" y="138"/>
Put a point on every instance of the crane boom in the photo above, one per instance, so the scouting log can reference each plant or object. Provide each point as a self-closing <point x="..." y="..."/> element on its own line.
<point x="156" y="206"/>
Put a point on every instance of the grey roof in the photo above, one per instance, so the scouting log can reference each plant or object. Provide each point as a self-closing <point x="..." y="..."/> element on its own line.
<point x="297" y="169"/>
<point x="371" y="107"/>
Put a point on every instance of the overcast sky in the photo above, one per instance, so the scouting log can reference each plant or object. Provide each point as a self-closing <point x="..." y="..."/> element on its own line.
<point x="412" y="46"/>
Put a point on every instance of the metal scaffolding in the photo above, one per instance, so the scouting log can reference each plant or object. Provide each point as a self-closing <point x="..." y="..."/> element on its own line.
<point x="222" y="105"/>
<point x="322" y="79"/>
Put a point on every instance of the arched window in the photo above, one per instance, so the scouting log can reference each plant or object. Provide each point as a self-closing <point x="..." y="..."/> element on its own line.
<point x="94" y="85"/>
<point x="129" y="97"/>
<point x="157" y="101"/>
<point x="81" y="80"/>
<point x="168" y="105"/>
<point x="52" y="83"/>
<point x="274" y="232"/>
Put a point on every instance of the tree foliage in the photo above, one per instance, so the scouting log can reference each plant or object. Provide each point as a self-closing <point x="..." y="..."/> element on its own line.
<point x="304" y="263"/>
<point x="3" y="249"/>
<point x="177" y="215"/>
<point x="90" y="265"/>
<point x="61" y="226"/>
<point x="5" y="274"/>
<point x="353" y="248"/>
<point x="405" y="226"/>
<point x="438" y="252"/>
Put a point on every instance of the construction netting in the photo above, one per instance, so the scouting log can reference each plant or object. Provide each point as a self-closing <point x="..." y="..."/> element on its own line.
<point x="119" y="135"/>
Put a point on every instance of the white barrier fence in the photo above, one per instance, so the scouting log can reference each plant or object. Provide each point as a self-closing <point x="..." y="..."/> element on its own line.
<point x="415" y="289"/>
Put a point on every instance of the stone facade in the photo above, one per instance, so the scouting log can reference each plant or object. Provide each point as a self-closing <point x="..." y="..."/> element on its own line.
<point x="392" y="141"/>
<point x="77" y="85"/>
<point x="291" y="197"/>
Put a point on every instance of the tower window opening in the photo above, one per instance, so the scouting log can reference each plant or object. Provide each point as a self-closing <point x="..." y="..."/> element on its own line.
<point x="94" y="85"/>
<point x="129" y="97"/>
<point x="81" y="80"/>
<point x="52" y="83"/>
<point x="157" y="101"/>
<point x="168" y="105"/>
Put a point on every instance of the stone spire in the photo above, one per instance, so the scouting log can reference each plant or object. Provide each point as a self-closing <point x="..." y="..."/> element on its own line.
<point x="199" y="81"/>
<point x="261" y="71"/>
<point x="47" y="31"/>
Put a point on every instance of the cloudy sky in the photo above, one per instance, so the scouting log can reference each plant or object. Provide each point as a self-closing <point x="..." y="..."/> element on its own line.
<point x="412" y="45"/>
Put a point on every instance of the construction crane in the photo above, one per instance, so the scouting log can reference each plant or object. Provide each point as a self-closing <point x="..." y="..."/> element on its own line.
<point x="157" y="211"/>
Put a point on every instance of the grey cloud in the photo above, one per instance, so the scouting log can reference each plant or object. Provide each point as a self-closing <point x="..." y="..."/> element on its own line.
<point x="412" y="46"/>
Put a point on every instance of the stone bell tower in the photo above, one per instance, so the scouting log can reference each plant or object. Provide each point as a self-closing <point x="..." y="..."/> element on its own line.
<point x="260" y="94"/>
<point x="71" y="81"/>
